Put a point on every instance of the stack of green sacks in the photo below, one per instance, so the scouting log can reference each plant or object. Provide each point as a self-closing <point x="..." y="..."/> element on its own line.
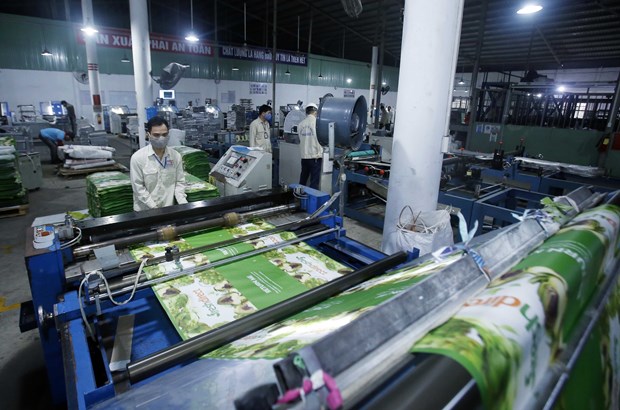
<point x="109" y="193"/>
<point x="198" y="190"/>
<point x="12" y="191"/>
<point x="195" y="161"/>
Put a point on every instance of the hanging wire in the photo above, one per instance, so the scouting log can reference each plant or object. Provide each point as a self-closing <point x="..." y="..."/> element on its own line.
<point x="245" y="32"/>
<point x="191" y="14"/>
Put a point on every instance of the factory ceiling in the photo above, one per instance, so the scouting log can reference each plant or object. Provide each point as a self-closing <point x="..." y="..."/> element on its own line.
<point x="565" y="34"/>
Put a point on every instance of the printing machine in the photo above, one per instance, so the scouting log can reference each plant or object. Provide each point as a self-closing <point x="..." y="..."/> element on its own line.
<point x="368" y="358"/>
<point x="79" y="369"/>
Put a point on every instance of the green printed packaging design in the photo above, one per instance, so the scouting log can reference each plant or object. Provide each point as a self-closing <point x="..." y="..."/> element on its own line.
<point x="306" y="327"/>
<point x="595" y="379"/>
<point x="210" y="298"/>
<point x="507" y="336"/>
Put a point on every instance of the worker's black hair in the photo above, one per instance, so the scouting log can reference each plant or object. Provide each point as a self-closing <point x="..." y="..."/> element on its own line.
<point x="310" y="110"/>
<point x="70" y="135"/>
<point x="63" y="102"/>
<point x="264" y="108"/>
<point x="156" y="121"/>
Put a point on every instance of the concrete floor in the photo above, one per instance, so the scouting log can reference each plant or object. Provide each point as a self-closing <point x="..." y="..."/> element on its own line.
<point x="23" y="379"/>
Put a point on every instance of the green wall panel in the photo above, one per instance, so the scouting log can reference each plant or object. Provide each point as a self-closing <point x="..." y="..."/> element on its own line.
<point x="555" y="144"/>
<point x="23" y="38"/>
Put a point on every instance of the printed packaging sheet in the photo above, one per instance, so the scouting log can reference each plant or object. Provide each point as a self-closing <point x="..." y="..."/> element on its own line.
<point x="508" y="336"/>
<point x="213" y="297"/>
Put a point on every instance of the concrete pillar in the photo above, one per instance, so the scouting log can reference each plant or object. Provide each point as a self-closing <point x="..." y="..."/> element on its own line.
<point x="431" y="33"/>
<point x="141" y="53"/>
<point x="373" y="79"/>
<point x="93" y="64"/>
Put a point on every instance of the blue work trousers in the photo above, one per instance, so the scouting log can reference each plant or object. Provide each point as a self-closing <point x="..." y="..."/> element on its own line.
<point x="311" y="168"/>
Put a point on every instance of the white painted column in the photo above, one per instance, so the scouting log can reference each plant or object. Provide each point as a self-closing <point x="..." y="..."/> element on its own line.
<point x="141" y="53"/>
<point x="93" y="64"/>
<point x="431" y="33"/>
<point x="373" y="80"/>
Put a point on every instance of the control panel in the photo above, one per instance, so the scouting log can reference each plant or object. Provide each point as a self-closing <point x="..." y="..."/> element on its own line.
<point x="236" y="165"/>
<point x="43" y="236"/>
<point x="242" y="169"/>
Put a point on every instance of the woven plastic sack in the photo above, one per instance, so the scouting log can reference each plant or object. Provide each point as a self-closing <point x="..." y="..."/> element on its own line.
<point x="426" y="231"/>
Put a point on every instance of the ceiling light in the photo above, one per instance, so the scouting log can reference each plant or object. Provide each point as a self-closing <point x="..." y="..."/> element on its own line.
<point x="538" y="95"/>
<point x="192" y="37"/>
<point x="349" y="81"/>
<point x="235" y="68"/>
<point x="287" y="72"/>
<point x="461" y="81"/>
<point x="89" y="30"/>
<point x="529" y="9"/>
<point x="320" y="75"/>
<point x="46" y="52"/>
<point x="561" y="88"/>
<point x="125" y="59"/>
<point x="384" y="83"/>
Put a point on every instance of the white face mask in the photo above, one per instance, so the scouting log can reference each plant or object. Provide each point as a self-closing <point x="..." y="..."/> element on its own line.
<point x="160" y="142"/>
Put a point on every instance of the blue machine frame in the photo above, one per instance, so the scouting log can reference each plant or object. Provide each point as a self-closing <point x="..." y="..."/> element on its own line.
<point x="78" y="371"/>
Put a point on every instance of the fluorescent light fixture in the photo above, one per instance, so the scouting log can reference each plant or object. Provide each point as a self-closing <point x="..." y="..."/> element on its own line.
<point x="530" y="9"/>
<point x="349" y="81"/>
<point x="89" y="30"/>
<point x="235" y="68"/>
<point x="561" y="88"/>
<point x="538" y="95"/>
<point x="191" y="37"/>
<point x="46" y="52"/>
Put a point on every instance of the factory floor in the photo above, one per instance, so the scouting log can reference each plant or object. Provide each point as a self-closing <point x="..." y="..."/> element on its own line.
<point x="23" y="378"/>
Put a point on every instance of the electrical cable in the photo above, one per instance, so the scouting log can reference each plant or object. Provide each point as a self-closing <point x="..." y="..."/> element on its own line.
<point x="103" y="278"/>
<point x="74" y="240"/>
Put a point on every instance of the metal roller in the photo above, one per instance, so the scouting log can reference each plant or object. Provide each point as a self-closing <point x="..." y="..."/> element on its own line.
<point x="349" y="118"/>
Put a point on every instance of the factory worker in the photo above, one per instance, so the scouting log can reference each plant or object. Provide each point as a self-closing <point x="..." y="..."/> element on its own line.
<point x="53" y="138"/>
<point x="156" y="171"/>
<point x="70" y="114"/>
<point x="259" y="129"/>
<point x="311" y="150"/>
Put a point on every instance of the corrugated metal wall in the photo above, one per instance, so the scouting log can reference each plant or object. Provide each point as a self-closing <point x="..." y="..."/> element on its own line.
<point x="23" y="38"/>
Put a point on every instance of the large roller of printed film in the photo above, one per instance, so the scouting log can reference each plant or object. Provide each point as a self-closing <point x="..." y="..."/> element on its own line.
<point x="349" y="118"/>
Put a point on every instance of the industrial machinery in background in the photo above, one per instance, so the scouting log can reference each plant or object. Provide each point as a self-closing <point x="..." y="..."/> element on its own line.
<point x="340" y="126"/>
<point x="116" y="118"/>
<point x="293" y="114"/>
<point x="242" y="169"/>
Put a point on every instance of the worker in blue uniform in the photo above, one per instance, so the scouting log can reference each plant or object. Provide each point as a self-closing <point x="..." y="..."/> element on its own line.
<point x="53" y="138"/>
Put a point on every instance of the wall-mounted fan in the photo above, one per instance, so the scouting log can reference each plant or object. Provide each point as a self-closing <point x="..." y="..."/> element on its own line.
<point x="81" y="77"/>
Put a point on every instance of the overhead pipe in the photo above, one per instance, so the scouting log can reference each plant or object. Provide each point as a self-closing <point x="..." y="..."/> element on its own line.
<point x="274" y="33"/>
<point x="373" y="78"/>
<point x="379" y="80"/>
<point x="473" y="87"/>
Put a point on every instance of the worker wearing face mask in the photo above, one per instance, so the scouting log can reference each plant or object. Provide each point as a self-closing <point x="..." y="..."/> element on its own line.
<point x="259" y="129"/>
<point x="156" y="171"/>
